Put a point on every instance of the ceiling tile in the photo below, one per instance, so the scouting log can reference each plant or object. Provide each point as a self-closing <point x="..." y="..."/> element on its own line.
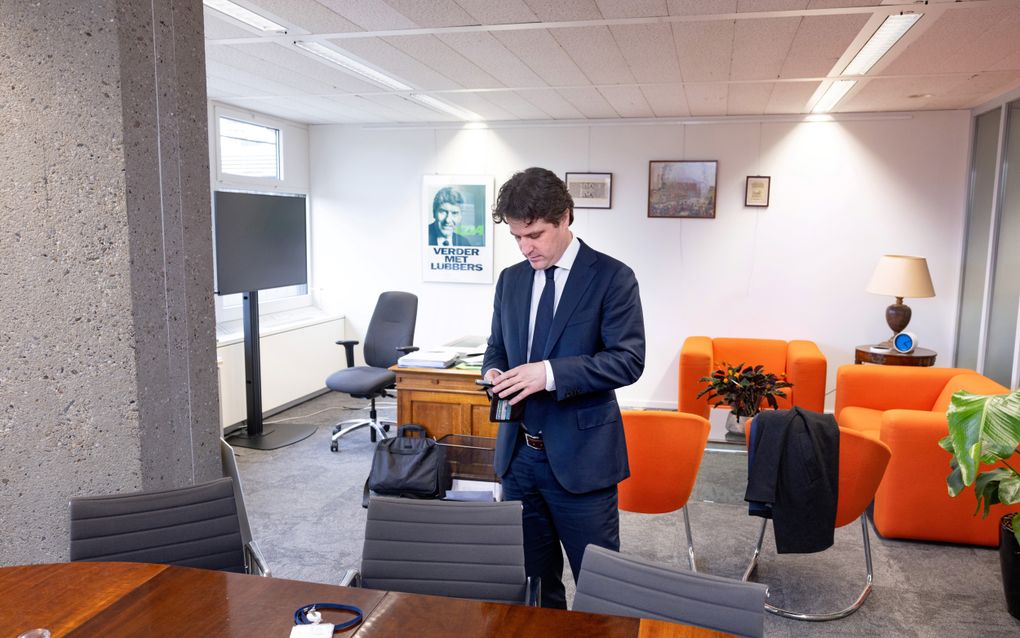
<point x="819" y="43"/>
<point x="760" y="47"/>
<point x="288" y="68"/>
<point x="748" y="99"/>
<point x="628" y="101"/>
<point x="791" y="97"/>
<point x="310" y="15"/>
<point x="410" y="111"/>
<point x="370" y="15"/>
<point x="433" y="13"/>
<point x="434" y="53"/>
<point x="217" y="28"/>
<point x="615" y="9"/>
<point x="565" y="10"/>
<point x="948" y="44"/>
<point x="552" y="103"/>
<point x="397" y="64"/>
<point x="478" y="103"/>
<point x="700" y="7"/>
<point x="502" y="12"/>
<point x="704" y="49"/>
<point x="749" y="6"/>
<point x="667" y="100"/>
<point x="947" y="92"/>
<point x="706" y="99"/>
<point x="489" y="53"/>
<point x="589" y="103"/>
<point x="649" y="52"/>
<point x="543" y="55"/>
<point x="594" y="51"/>
<point x="513" y="103"/>
<point x="839" y="4"/>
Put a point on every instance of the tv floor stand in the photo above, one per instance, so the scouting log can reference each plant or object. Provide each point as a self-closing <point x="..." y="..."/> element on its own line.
<point x="254" y="435"/>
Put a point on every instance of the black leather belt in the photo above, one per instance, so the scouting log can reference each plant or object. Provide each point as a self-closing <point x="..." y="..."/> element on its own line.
<point x="534" y="442"/>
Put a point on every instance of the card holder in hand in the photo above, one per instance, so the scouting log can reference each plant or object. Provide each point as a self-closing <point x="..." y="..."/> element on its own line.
<point x="501" y="410"/>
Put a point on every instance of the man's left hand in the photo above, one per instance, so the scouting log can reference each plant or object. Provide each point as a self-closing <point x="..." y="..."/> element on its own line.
<point x="525" y="380"/>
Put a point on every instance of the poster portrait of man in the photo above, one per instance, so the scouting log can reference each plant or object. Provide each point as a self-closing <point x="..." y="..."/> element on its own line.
<point x="456" y="229"/>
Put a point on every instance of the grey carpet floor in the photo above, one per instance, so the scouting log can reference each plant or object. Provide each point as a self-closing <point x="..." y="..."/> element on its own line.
<point x="304" y="503"/>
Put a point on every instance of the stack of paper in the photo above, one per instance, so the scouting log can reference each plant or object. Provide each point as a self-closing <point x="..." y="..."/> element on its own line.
<point x="435" y="358"/>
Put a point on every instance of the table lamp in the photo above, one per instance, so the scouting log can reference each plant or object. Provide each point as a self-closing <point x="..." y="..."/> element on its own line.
<point x="900" y="276"/>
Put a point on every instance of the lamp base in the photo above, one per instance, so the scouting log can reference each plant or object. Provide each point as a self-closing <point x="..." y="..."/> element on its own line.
<point x="897" y="315"/>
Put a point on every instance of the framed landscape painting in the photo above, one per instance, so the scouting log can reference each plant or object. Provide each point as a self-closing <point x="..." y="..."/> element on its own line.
<point x="682" y="188"/>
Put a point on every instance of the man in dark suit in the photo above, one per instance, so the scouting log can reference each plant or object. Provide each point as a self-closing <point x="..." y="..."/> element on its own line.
<point x="446" y="216"/>
<point x="567" y="330"/>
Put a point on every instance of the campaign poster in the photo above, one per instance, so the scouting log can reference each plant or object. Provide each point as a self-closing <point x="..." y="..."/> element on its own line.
<point x="457" y="229"/>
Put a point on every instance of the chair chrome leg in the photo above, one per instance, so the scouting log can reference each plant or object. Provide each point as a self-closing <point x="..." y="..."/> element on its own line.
<point x="836" y="615"/>
<point x="757" y="551"/>
<point x="344" y="427"/>
<point x="690" y="539"/>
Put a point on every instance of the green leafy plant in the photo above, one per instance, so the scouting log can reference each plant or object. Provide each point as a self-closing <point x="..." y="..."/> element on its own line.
<point x="744" y="388"/>
<point x="985" y="429"/>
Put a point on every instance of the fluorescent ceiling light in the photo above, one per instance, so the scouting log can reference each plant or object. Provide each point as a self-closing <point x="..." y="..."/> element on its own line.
<point x="341" y="60"/>
<point x="439" y="105"/>
<point x="244" y="15"/>
<point x="833" y="95"/>
<point x="888" y="34"/>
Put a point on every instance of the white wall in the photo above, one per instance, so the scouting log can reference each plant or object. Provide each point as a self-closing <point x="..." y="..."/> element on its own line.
<point x="843" y="193"/>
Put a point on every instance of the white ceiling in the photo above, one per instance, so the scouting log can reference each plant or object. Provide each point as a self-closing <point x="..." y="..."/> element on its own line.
<point x="511" y="60"/>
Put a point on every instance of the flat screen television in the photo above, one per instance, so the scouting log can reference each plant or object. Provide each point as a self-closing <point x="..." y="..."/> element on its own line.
<point x="260" y="241"/>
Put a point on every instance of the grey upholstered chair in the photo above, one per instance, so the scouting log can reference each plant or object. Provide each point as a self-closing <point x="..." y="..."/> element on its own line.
<point x="390" y="333"/>
<point x="254" y="561"/>
<point x="611" y="583"/>
<point x="445" y="548"/>
<point x="194" y="526"/>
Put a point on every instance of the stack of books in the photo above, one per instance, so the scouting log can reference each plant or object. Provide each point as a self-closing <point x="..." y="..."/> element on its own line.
<point x="434" y="358"/>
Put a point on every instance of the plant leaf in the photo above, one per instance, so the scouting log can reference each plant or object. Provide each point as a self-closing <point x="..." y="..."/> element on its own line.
<point x="982" y="429"/>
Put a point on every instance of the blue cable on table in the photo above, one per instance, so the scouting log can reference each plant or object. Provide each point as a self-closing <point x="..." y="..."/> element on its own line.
<point x="301" y="615"/>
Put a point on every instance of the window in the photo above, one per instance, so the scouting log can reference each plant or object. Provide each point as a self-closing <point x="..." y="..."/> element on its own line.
<point x="249" y="150"/>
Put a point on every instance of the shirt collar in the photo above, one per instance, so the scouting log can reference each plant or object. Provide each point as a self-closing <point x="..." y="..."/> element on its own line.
<point x="566" y="261"/>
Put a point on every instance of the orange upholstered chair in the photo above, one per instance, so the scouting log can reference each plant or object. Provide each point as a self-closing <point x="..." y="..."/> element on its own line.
<point x="862" y="461"/>
<point x="801" y="361"/>
<point x="664" y="450"/>
<point x="906" y="409"/>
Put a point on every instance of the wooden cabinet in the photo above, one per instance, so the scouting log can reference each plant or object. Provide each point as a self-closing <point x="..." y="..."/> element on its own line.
<point x="445" y="401"/>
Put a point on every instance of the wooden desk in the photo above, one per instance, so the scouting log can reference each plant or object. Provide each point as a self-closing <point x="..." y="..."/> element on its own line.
<point x="77" y="600"/>
<point x="445" y="401"/>
<point x="922" y="357"/>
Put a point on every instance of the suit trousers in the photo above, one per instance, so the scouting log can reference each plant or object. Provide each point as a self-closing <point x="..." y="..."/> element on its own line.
<point x="552" y="516"/>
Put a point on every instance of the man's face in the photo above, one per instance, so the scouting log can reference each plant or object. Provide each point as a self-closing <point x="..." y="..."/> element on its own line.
<point x="447" y="218"/>
<point x="540" y="242"/>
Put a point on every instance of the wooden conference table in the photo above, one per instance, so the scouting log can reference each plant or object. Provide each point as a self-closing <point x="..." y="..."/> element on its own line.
<point x="133" y="599"/>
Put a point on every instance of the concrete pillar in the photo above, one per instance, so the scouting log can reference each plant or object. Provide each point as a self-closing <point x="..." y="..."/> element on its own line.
<point x="107" y="329"/>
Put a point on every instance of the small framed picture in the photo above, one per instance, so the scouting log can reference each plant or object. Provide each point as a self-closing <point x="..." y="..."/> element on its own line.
<point x="682" y="188"/>
<point x="591" y="190"/>
<point x="756" y="191"/>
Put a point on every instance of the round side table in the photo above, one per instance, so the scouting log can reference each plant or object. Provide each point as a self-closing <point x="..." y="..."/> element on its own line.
<point x="919" y="357"/>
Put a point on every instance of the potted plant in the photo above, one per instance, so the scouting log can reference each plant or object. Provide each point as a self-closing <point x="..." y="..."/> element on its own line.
<point x="744" y="389"/>
<point x="986" y="429"/>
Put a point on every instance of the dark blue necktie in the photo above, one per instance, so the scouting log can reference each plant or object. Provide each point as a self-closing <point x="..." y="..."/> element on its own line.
<point x="544" y="316"/>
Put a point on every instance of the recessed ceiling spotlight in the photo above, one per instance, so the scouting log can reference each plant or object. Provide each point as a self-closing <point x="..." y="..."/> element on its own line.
<point x="920" y="95"/>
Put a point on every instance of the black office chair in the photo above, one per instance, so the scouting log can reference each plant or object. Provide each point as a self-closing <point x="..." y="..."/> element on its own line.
<point x="611" y="583"/>
<point x="470" y="549"/>
<point x="193" y="526"/>
<point x="389" y="334"/>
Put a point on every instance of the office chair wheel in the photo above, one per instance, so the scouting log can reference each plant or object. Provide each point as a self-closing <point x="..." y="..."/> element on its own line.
<point x="334" y="446"/>
<point x="386" y="427"/>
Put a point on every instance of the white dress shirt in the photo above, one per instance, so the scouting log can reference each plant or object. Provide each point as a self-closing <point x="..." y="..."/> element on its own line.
<point x="560" y="275"/>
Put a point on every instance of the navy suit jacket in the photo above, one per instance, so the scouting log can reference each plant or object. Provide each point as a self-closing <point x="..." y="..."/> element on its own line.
<point x="597" y="344"/>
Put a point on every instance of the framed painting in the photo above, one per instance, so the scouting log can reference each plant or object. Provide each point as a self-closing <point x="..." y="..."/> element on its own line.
<point x="682" y="188"/>
<point x="591" y="190"/>
<point x="756" y="191"/>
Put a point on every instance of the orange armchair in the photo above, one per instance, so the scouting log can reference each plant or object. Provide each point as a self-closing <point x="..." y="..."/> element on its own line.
<point x="801" y="361"/>
<point x="905" y="408"/>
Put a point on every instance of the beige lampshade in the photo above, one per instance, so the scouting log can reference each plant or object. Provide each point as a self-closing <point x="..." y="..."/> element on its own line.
<point x="901" y="276"/>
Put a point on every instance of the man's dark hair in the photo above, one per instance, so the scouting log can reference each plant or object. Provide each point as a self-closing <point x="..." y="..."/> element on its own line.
<point x="446" y="195"/>
<point x="533" y="194"/>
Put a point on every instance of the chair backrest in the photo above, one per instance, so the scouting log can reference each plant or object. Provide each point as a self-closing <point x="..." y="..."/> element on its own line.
<point x="194" y="526"/>
<point x="971" y="382"/>
<point x="445" y="548"/>
<point x="770" y="353"/>
<point x="664" y="450"/>
<point x="862" y="462"/>
<point x="392" y="325"/>
<point x="611" y="583"/>
<point x="229" y="462"/>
